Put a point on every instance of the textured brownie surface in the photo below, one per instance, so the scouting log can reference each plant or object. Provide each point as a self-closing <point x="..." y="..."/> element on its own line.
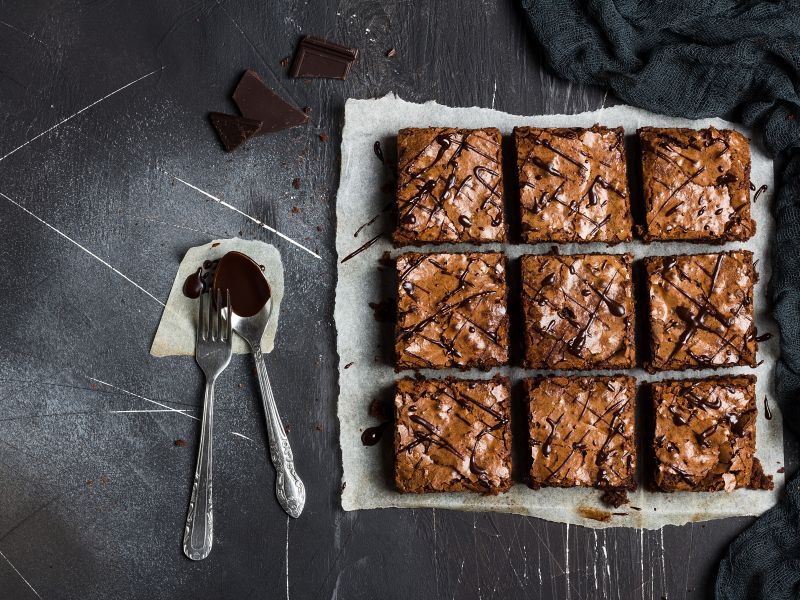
<point x="452" y="435"/>
<point x="451" y="310"/>
<point x="705" y="433"/>
<point x="573" y="185"/>
<point x="578" y="311"/>
<point x="449" y="186"/>
<point x="582" y="431"/>
<point x="701" y="310"/>
<point x="696" y="184"/>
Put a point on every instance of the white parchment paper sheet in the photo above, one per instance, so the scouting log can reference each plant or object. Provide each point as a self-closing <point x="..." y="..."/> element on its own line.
<point x="367" y="471"/>
<point x="177" y="329"/>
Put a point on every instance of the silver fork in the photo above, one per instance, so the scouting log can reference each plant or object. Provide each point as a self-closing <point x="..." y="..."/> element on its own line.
<point x="213" y="353"/>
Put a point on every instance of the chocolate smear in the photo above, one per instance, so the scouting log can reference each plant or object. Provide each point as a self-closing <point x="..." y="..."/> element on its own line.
<point x="242" y="276"/>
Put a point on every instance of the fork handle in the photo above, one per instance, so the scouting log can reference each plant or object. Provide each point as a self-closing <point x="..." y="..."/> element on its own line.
<point x="199" y="534"/>
<point x="289" y="488"/>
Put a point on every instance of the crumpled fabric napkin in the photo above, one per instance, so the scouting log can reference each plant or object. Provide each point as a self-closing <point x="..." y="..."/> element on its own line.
<point x="740" y="60"/>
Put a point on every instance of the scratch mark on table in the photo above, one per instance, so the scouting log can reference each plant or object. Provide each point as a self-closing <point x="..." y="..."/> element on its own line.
<point x="84" y="109"/>
<point x="663" y="560"/>
<point x="566" y="563"/>
<point x="244" y="214"/>
<point x="494" y="92"/>
<point x="20" y="574"/>
<point x="86" y="250"/>
<point x="287" y="557"/>
<point x="209" y="233"/>
<point x="23" y="32"/>
<point x="129" y="393"/>
<point x="151" y="410"/>
<point x="241" y="435"/>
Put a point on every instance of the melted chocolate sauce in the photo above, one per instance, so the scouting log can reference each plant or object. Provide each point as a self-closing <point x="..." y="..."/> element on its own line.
<point x="378" y="151"/>
<point x="760" y="191"/>
<point x="194" y="285"/>
<point x="767" y="411"/>
<point x="361" y="248"/>
<point x="239" y="274"/>
<point x="373" y="435"/>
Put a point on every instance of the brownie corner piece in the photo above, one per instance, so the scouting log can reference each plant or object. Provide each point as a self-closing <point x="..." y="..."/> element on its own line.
<point x="573" y="185"/>
<point x="701" y="310"/>
<point x="578" y="311"/>
<point x="696" y="184"/>
<point x="582" y="431"/>
<point x="451" y="311"/>
<point x="452" y="435"/>
<point x="449" y="186"/>
<point x="704" y="433"/>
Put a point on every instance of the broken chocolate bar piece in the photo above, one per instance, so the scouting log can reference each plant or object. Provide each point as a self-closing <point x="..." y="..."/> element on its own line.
<point x="316" y="57"/>
<point x="256" y="101"/>
<point x="233" y="130"/>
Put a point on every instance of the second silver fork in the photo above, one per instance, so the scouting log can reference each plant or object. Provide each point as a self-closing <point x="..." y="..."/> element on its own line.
<point x="213" y="353"/>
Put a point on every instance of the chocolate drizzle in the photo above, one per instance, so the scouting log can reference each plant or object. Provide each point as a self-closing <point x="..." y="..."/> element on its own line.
<point x="372" y="435"/>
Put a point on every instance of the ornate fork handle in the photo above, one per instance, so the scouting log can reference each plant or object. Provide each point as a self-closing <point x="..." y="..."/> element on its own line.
<point x="199" y="533"/>
<point x="289" y="488"/>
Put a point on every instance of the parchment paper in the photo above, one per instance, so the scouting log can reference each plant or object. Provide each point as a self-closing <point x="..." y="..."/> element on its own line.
<point x="176" y="331"/>
<point x="367" y="477"/>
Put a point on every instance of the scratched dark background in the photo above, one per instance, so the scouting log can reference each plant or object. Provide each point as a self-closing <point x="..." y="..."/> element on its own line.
<point x="93" y="502"/>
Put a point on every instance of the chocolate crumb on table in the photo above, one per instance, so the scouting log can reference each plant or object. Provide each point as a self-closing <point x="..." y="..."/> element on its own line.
<point x="705" y="435"/>
<point x="449" y="186"/>
<point x="582" y="431"/>
<point x="451" y="311"/>
<point x="573" y="185"/>
<point x="578" y="311"/>
<point x="701" y="310"/>
<point x="452" y="435"/>
<point x="696" y="185"/>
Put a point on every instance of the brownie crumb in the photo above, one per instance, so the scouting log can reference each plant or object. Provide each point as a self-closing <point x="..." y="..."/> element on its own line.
<point x="386" y="259"/>
<point x="180" y="443"/>
<point x="215" y="244"/>
<point x="318" y="427"/>
<point x="385" y="310"/>
<point x="307" y="110"/>
<point x="104" y="479"/>
<point x="90" y="482"/>
<point x="295" y="210"/>
<point x="378" y="409"/>
<point x="781" y="470"/>
<point x="285" y="61"/>
<point x="93" y="386"/>
<point x="323" y="137"/>
<point x="615" y="498"/>
<point x="391" y="53"/>
<point x="758" y="479"/>
<point x="296" y="183"/>
<point x="595" y="514"/>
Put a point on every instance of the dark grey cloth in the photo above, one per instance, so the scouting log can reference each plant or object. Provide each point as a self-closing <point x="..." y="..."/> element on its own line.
<point x="701" y="58"/>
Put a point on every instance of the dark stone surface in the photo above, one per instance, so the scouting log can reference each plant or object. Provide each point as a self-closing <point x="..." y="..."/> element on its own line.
<point x="92" y="503"/>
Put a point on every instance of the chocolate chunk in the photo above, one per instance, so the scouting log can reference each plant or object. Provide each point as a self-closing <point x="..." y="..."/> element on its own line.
<point x="316" y="57"/>
<point x="233" y="130"/>
<point x="256" y="101"/>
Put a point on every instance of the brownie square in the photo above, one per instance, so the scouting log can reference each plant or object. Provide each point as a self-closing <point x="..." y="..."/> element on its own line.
<point x="701" y="310"/>
<point x="582" y="431"/>
<point x="452" y="435"/>
<point x="449" y="186"/>
<point x="572" y="185"/>
<point x="578" y="311"/>
<point x="696" y="185"/>
<point x="451" y="311"/>
<point x="705" y="434"/>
